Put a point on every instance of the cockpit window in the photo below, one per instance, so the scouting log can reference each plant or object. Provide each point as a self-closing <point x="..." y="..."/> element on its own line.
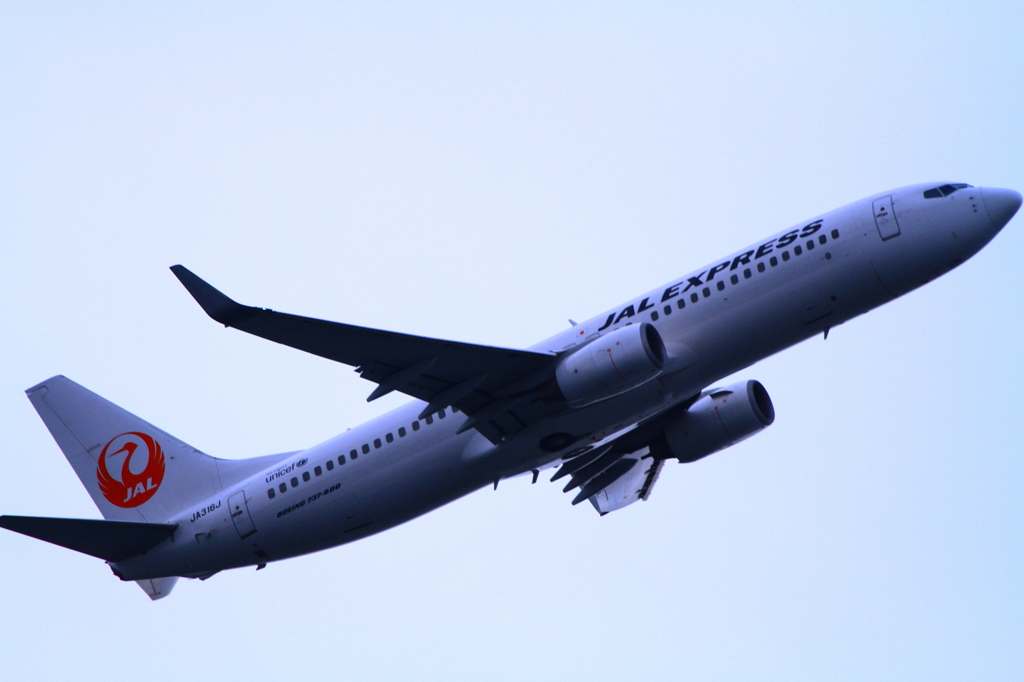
<point x="944" y="191"/>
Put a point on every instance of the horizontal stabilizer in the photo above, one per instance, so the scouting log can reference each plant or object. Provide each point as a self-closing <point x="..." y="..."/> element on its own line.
<point x="109" y="540"/>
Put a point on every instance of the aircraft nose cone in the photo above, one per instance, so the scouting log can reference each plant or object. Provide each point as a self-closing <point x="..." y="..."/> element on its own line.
<point x="1001" y="204"/>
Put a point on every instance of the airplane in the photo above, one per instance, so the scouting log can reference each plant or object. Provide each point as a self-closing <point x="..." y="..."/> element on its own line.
<point x="605" y="403"/>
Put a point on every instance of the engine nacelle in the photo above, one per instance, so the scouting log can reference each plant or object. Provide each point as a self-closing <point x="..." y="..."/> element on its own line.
<point x="611" y="365"/>
<point x="720" y="418"/>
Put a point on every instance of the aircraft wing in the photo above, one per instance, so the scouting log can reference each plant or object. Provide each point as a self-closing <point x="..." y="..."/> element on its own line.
<point x="485" y="382"/>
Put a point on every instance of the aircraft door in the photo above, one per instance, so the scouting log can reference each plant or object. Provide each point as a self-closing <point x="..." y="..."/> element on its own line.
<point x="885" y="218"/>
<point x="240" y="514"/>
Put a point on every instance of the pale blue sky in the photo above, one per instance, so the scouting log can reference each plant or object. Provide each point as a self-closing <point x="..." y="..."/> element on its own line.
<point x="484" y="173"/>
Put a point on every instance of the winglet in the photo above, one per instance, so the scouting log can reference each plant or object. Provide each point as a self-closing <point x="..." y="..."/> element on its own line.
<point x="217" y="305"/>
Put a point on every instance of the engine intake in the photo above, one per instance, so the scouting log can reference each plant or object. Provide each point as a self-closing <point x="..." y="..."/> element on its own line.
<point x="611" y="365"/>
<point x="718" y="419"/>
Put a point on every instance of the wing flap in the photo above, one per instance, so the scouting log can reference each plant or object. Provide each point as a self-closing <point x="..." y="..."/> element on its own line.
<point x="109" y="540"/>
<point x="633" y="487"/>
<point x="609" y="478"/>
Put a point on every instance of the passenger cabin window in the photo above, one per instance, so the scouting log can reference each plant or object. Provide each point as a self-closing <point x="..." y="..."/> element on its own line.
<point x="429" y="419"/>
<point x="680" y="304"/>
<point x="654" y="316"/>
<point x="760" y="267"/>
<point x="283" y="487"/>
<point x="295" y="482"/>
<point x="416" y="426"/>
<point x="721" y="285"/>
<point x="735" y="279"/>
<point x="389" y="438"/>
<point x="330" y="465"/>
<point x="318" y="471"/>
<point x="693" y="298"/>
<point x="440" y="413"/>
<point x="401" y="432"/>
<point x="945" y="190"/>
<point x="366" y="450"/>
<point x="305" y="476"/>
<point x="271" y="493"/>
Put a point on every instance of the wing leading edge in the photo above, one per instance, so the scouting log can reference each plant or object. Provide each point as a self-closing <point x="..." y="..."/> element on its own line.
<point x="485" y="382"/>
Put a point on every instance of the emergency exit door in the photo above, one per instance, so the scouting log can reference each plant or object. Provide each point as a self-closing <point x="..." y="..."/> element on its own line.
<point x="885" y="218"/>
<point x="240" y="514"/>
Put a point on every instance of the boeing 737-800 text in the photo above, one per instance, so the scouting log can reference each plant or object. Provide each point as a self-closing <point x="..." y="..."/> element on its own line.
<point x="607" y="401"/>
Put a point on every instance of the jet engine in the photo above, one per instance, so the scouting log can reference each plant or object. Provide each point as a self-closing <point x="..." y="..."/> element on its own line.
<point x="611" y="364"/>
<point x="719" y="418"/>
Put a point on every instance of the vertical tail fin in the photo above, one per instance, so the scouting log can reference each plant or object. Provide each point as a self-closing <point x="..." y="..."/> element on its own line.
<point x="132" y="470"/>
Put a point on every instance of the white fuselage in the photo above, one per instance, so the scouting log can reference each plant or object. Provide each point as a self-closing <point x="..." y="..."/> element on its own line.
<point x="714" y="321"/>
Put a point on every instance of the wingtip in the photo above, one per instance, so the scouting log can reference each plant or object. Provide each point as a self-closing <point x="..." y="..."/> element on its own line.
<point x="181" y="271"/>
<point x="218" y="306"/>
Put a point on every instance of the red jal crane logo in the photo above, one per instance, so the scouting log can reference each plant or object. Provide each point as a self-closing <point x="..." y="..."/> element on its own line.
<point x="130" y="469"/>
